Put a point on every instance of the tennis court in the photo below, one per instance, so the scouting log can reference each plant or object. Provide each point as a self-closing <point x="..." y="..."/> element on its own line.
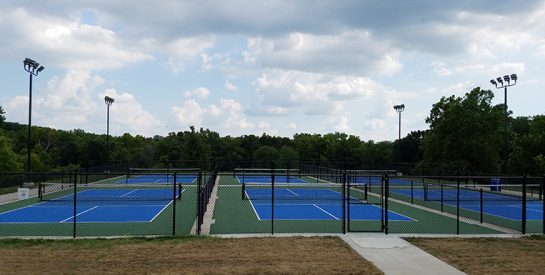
<point x="312" y="204"/>
<point x="95" y="206"/>
<point x="504" y="206"/>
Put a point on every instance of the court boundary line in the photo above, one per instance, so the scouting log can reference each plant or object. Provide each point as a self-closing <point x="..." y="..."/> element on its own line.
<point x="252" y="204"/>
<point x="92" y="208"/>
<point x="336" y="218"/>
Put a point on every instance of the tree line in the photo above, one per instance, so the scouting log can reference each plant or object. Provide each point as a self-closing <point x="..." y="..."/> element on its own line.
<point x="465" y="135"/>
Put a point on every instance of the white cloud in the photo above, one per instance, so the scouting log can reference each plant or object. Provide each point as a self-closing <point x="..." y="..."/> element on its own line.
<point x="292" y="126"/>
<point x="375" y="124"/>
<point x="128" y="113"/>
<point x="200" y="92"/>
<point x="349" y="52"/>
<point x="289" y="92"/>
<point x="339" y="123"/>
<point x="64" y="43"/>
<point x="189" y="114"/>
<point x="230" y="86"/>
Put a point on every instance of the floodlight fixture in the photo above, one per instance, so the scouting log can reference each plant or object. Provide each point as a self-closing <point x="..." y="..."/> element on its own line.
<point x="32" y="66"/>
<point x="399" y="108"/>
<point x="499" y="80"/>
<point x="514" y="77"/>
<point x="494" y="82"/>
<point x="506" y="79"/>
<point x="108" y="100"/>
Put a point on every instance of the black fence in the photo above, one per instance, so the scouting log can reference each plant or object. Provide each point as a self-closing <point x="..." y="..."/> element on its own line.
<point x="293" y="198"/>
<point x="106" y="204"/>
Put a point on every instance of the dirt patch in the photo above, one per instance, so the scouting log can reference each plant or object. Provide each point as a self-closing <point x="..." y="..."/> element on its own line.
<point x="325" y="255"/>
<point x="488" y="255"/>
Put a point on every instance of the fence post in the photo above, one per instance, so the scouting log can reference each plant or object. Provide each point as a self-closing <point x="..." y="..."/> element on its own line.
<point x="344" y="198"/>
<point x="481" y="200"/>
<point x="457" y="206"/>
<point x="199" y="184"/>
<point x="272" y="201"/>
<point x="75" y="202"/>
<point x="386" y="197"/>
<point x="174" y="195"/>
<point x="524" y="204"/>
<point x="412" y="192"/>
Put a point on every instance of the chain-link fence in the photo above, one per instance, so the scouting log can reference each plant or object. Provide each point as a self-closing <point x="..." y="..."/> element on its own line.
<point x="268" y="198"/>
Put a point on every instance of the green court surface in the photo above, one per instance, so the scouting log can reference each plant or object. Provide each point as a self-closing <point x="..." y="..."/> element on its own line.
<point x="233" y="215"/>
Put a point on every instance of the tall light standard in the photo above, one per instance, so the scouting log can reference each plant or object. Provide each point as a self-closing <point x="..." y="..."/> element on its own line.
<point x="399" y="108"/>
<point x="33" y="68"/>
<point x="504" y="83"/>
<point x="108" y="100"/>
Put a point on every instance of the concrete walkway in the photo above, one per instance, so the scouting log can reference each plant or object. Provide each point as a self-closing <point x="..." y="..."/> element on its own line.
<point x="393" y="255"/>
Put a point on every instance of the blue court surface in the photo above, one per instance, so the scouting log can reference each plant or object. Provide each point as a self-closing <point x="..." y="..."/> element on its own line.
<point x="268" y="180"/>
<point x="309" y="204"/>
<point x="95" y="206"/>
<point x="140" y="179"/>
<point x="493" y="204"/>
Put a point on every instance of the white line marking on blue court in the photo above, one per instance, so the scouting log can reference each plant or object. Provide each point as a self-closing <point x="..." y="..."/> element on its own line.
<point x="128" y="193"/>
<point x="252" y="204"/>
<point x="292" y="192"/>
<point x="79" y="213"/>
<point x="326" y="212"/>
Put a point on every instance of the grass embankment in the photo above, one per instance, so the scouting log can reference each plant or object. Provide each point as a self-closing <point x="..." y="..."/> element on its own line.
<point x="488" y="255"/>
<point x="188" y="255"/>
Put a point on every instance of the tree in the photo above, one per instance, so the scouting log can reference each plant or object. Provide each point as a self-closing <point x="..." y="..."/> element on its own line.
<point x="266" y="153"/>
<point x="8" y="159"/>
<point x="2" y="117"/>
<point x="465" y="132"/>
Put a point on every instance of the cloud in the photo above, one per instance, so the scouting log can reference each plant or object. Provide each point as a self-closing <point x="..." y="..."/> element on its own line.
<point x="339" y="124"/>
<point x="349" y="52"/>
<point x="230" y="86"/>
<point x="128" y="113"/>
<point x="63" y="42"/>
<point x="288" y="92"/>
<point x="200" y="92"/>
<point x="72" y="102"/>
<point x="225" y="115"/>
<point x="189" y="114"/>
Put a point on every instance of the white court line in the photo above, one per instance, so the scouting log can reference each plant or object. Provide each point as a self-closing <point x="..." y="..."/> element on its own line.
<point x="161" y="211"/>
<point x="128" y="193"/>
<point x="252" y="204"/>
<point x="326" y="212"/>
<point x="292" y="192"/>
<point x="79" y="214"/>
<point x="17" y="209"/>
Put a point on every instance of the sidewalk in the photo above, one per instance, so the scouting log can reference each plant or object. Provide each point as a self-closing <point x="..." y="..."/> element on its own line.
<point x="393" y="255"/>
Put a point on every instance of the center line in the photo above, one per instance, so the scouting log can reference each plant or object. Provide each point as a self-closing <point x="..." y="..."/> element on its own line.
<point x="79" y="214"/>
<point x="325" y="211"/>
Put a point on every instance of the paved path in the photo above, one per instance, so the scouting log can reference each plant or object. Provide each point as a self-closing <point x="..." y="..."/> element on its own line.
<point x="393" y="255"/>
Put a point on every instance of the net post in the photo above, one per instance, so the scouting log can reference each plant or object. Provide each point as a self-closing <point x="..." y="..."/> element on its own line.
<point x="344" y="198"/>
<point x="174" y="205"/>
<point x="442" y="198"/>
<point x="481" y="203"/>
<point x="425" y="187"/>
<point x="288" y="171"/>
<point x="524" y="204"/>
<point x="40" y="192"/>
<point x="386" y="198"/>
<point x="412" y="192"/>
<point x="75" y="203"/>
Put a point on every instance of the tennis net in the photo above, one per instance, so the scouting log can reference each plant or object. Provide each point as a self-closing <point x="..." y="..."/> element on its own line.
<point x="304" y="192"/>
<point x="507" y="193"/>
<point x="108" y="192"/>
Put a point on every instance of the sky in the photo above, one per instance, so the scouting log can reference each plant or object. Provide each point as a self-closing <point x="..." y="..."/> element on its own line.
<point x="251" y="67"/>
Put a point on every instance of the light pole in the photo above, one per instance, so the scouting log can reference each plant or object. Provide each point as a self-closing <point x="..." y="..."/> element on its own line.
<point x="399" y="108"/>
<point x="33" y="68"/>
<point x="504" y="83"/>
<point x="108" y="100"/>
